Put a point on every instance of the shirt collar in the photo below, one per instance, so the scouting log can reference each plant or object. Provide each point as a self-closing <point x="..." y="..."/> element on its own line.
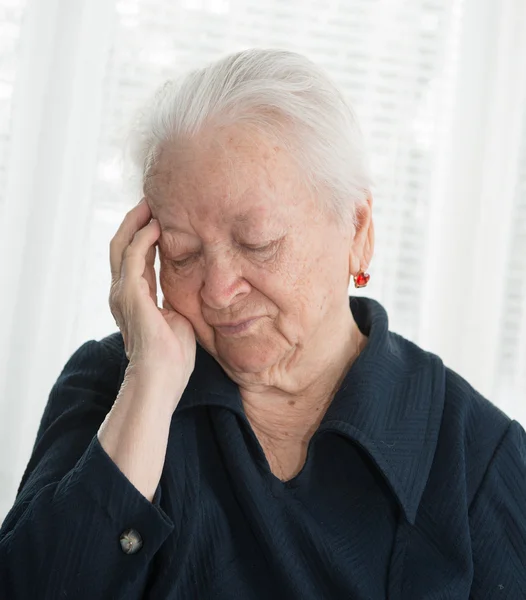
<point x="390" y="402"/>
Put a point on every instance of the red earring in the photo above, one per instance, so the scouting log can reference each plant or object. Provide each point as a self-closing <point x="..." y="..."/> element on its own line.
<point x="361" y="280"/>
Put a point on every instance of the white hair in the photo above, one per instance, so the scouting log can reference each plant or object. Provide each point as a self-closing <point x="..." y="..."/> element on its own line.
<point x="283" y="94"/>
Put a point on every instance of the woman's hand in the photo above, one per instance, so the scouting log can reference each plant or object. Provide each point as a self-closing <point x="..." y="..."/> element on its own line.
<point x="160" y="345"/>
<point x="154" y="338"/>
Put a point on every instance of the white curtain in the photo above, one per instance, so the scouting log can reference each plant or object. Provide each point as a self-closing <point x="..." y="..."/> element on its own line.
<point x="439" y="87"/>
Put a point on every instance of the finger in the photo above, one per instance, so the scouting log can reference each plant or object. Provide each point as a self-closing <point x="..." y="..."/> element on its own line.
<point x="135" y="219"/>
<point x="149" y="272"/>
<point x="134" y="260"/>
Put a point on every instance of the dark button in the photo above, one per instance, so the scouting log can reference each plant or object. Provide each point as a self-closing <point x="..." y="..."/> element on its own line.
<point x="131" y="541"/>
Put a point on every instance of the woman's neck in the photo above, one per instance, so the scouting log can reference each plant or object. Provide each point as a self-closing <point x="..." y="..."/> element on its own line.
<point x="293" y="413"/>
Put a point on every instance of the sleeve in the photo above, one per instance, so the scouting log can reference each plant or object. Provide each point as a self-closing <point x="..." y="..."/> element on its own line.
<point x="498" y="522"/>
<point x="61" y="538"/>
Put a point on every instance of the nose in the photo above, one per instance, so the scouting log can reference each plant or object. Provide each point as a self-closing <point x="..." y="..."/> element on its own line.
<point x="223" y="284"/>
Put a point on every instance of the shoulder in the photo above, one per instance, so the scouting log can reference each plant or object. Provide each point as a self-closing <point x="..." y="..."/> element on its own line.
<point x="465" y="410"/>
<point x="93" y="373"/>
<point x="473" y="422"/>
<point x="471" y="426"/>
<point x="103" y="357"/>
<point x="468" y="408"/>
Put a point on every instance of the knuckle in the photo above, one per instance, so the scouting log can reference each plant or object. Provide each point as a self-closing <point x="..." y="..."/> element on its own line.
<point x="114" y="242"/>
<point x="114" y="287"/>
<point x="128" y="213"/>
<point x="114" y="307"/>
<point x="116" y="299"/>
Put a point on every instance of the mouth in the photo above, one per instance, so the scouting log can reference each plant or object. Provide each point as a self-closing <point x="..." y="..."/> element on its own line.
<point x="235" y="328"/>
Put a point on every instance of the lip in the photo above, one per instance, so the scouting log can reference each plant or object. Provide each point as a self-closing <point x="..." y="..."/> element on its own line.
<point x="235" y="328"/>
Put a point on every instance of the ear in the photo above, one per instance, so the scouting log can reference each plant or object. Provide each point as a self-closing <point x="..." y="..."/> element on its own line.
<point x="362" y="245"/>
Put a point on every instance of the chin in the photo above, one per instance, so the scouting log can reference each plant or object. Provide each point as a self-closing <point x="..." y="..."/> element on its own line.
<point x="247" y="356"/>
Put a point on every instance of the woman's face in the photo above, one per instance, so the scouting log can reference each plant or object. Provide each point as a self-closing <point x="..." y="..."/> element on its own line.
<point x="247" y="253"/>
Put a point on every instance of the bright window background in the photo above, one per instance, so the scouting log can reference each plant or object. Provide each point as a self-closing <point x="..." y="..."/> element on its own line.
<point x="11" y="15"/>
<point x="439" y="89"/>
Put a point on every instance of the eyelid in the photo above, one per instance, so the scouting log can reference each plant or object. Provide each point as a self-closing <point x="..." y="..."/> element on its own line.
<point x="254" y="248"/>
<point x="183" y="261"/>
<point x="261" y="247"/>
<point x="268" y="246"/>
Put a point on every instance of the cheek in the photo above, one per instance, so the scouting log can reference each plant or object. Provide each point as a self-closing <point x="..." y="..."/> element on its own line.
<point x="287" y="282"/>
<point x="312" y="280"/>
<point x="181" y="292"/>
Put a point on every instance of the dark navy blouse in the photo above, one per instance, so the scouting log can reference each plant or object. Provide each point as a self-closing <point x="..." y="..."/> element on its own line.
<point x="414" y="488"/>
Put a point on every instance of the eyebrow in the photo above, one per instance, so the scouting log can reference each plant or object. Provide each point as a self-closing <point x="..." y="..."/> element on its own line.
<point x="242" y="218"/>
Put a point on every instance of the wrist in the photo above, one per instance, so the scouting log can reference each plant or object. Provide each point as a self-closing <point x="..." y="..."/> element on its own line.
<point x="160" y="381"/>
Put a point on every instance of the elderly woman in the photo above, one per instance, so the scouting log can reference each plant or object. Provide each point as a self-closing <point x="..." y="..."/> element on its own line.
<point x="300" y="450"/>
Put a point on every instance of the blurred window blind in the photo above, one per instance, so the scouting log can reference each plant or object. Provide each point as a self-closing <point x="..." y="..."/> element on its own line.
<point x="11" y="15"/>
<point x="510" y="384"/>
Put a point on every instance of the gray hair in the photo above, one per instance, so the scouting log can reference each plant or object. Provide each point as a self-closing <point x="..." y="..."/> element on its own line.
<point x="283" y="94"/>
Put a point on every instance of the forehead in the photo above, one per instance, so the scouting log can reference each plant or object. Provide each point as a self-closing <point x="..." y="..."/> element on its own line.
<point x="232" y="168"/>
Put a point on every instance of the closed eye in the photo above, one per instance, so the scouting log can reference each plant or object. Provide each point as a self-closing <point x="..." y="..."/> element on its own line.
<point x="183" y="262"/>
<point x="267" y="248"/>
<point x="259" y="248"/>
